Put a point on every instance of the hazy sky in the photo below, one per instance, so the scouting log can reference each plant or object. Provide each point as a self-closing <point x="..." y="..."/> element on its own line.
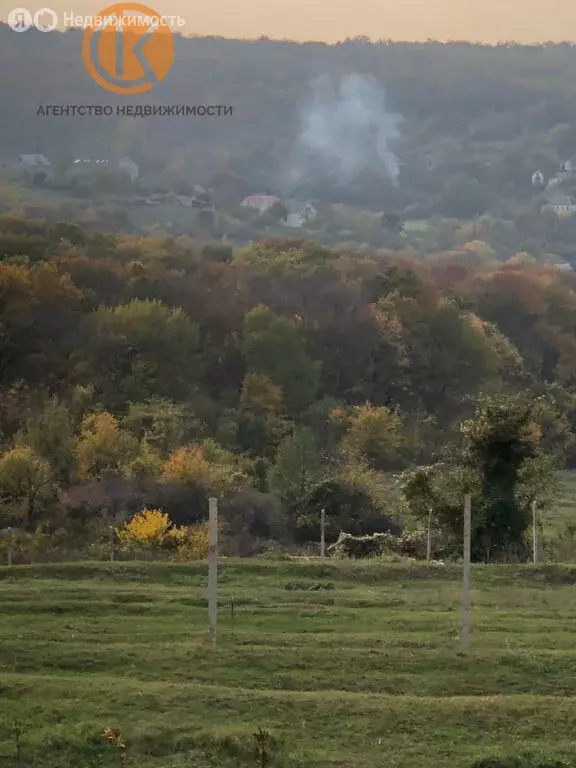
<point x="330" y="20"/>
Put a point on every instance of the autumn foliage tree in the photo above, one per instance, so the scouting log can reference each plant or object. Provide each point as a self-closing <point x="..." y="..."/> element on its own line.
<point x="103" y="447"/>
<point x="214" y="471"/>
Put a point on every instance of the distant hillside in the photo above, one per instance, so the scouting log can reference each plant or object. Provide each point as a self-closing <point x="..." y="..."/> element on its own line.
<point x="490" y="116"/>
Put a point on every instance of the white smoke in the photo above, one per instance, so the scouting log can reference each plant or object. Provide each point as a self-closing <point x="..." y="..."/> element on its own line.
<point x="344" y="131"/>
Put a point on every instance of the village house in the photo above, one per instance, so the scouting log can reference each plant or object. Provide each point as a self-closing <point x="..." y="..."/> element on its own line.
<point x="299" y="214"/>
<point x="562" y="205"/>
<point x="260" y="202"/>
<point x="550" y="260"/>
<point x="32" y="166"/>
<point x="537" y="179"/>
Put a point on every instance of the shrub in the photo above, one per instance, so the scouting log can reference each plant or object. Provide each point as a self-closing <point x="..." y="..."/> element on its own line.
<point x="148" y="528"/>
<point x="412" y="544"/>
<point x="409" y="544"/>
<point x="24" y="546"/>
<point x="359" y="546"/>
<point x="61" y="544"/>
<point x="152" y="530"/>
<point x="192" y="541"/>
<point x="253" y="522"/>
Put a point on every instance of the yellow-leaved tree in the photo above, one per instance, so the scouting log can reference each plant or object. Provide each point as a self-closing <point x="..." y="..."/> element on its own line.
<point x="148" y="528"/>
<point x="152" y="529"/>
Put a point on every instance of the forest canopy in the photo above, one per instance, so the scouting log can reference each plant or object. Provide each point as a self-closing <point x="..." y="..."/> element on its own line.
<point x="142" y="371"/>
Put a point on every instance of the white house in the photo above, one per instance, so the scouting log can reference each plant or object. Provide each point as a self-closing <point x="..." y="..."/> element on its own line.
<point x="299" y="214"/>
<point x="537" y="179"/>
<point x="562" y="205"/>
<point x="32" y="161"/>
<point x="261" y="203"/>
<point x="31" y="164"/>
<point x="185" y="201"/>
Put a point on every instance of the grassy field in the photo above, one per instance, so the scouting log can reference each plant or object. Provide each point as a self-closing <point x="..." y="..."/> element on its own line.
<point x="346" y="665"/>
<point x="563" y="512"/>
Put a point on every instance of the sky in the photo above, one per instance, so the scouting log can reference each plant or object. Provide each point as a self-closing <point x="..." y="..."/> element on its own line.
<point x="488" y="21"/>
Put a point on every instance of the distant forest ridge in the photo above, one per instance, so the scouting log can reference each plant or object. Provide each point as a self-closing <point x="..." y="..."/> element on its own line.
<point x="469" y="93"/>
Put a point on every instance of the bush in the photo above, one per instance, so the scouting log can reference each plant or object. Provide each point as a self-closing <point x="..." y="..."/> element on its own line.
<point x="149" y="528"/>
<point x="193" y="542"/>
<point x="152" y="531"/>
<point x="62" y="544"/>
<point x="253" y="521"/>
<point x="410" y="544"/>
<point x="360" y="546"/>
<point x="23" y="545"/>
<point x="348" y="507"/>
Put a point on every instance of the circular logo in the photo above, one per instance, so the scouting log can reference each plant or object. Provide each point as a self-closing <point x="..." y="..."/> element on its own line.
<point x="45" y="20"/>
<point x="20" y="20"/>
<point x="130" y="51"/>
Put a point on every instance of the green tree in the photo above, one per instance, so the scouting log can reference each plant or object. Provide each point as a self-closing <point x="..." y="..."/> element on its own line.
<point x="355" y="500"/>
<point x="50" y="435"/>
<point x="439" y="489"/>
<point x="162" y="423"/>
<point x="141" y="350"/>
<point x="273" y="346"/>
<point x="499" y="440"/>
<point x="448" y="352"/>
<point x="260" y="424"/>
<point x="299" y="466"/>
<point x="39" y="311"/>
<point x="376" y="433"/>
<point x="25" y="483"/>
<point x="501" y="463"/>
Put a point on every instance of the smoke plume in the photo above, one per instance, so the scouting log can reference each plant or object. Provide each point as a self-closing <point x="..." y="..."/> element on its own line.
<point x="345" y="130"/>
